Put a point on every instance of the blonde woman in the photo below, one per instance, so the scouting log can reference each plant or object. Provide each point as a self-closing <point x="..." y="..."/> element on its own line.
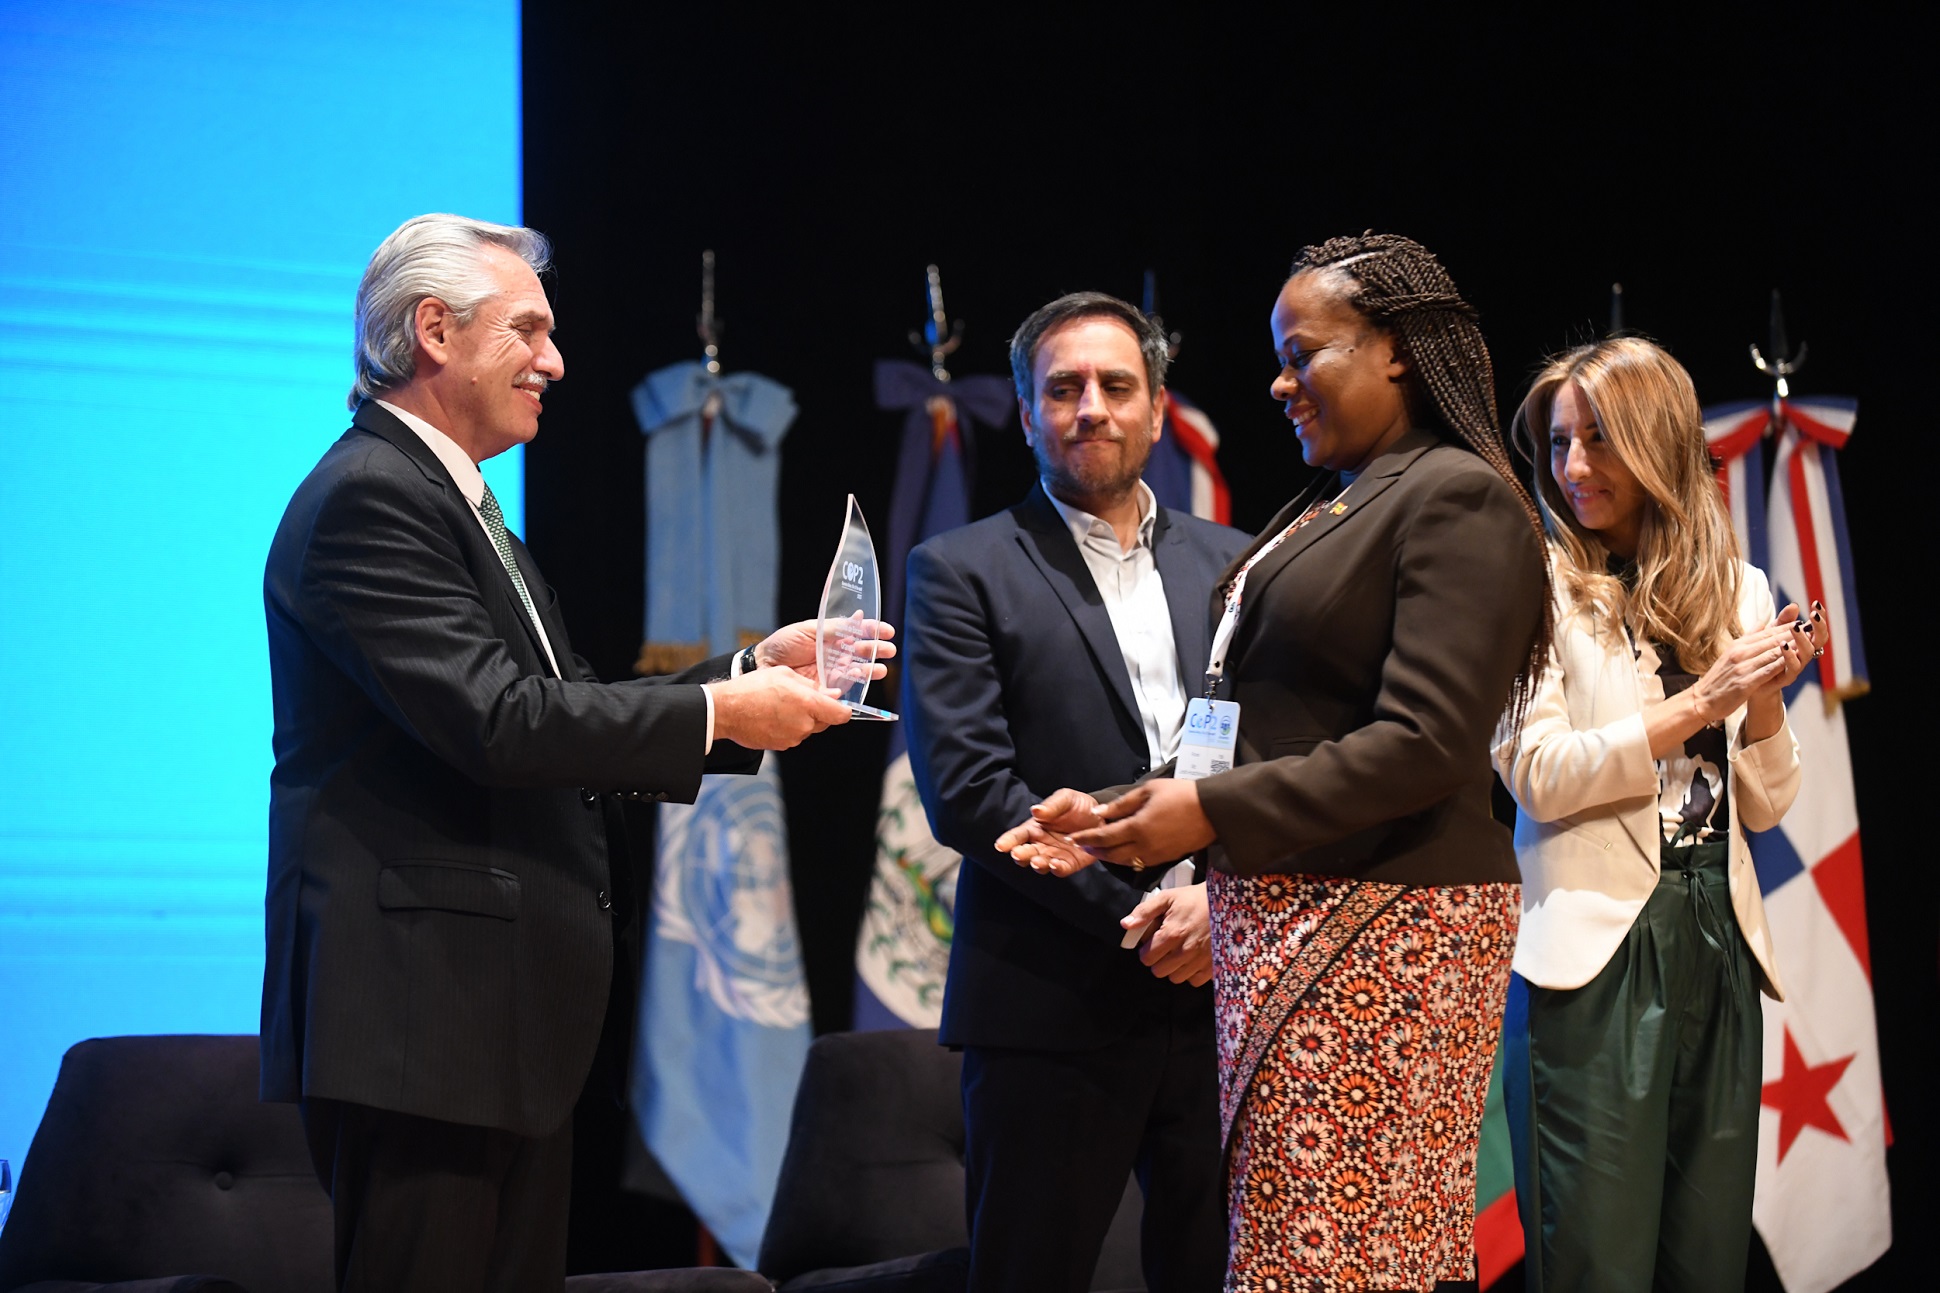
<point x="1655" y="739"/>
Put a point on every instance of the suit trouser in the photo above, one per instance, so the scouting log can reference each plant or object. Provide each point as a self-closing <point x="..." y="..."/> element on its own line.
<point x="422" y="1204"/>
<point x="1633" y="1100"/>
<point x="1050" y="1138"/>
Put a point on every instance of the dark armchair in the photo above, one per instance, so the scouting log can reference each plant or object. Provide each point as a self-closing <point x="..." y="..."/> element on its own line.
<point x="154" y="1155"/>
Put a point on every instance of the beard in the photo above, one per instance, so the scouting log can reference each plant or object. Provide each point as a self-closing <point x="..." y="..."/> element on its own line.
<point x="1095" y="476"/>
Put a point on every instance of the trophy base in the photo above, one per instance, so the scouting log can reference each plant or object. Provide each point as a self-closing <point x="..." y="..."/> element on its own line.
<point x="870" y="714"/>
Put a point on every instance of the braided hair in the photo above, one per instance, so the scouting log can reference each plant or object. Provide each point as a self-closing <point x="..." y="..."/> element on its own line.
<point x="1401" y="288"/>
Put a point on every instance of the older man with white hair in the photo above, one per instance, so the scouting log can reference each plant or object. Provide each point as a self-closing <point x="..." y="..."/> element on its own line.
<point x="445" y="890"/>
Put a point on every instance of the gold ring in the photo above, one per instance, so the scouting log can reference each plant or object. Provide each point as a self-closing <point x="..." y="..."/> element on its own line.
<point x="1138" y="864"/>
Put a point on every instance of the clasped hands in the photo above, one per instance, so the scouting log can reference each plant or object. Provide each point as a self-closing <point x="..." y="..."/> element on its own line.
<point x="781" y="702"/>
<point x="1155" y="821"/>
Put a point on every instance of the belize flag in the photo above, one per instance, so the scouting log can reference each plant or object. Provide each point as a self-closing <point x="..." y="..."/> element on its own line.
<point x="903" y="948"/>
<point x="1822" y="1203"/>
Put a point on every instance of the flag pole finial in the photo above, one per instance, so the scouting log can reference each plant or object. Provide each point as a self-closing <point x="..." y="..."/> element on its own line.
<point x="939" y="337"/>
<point x="1778" y="367"/>
<point x="705" y="323"/>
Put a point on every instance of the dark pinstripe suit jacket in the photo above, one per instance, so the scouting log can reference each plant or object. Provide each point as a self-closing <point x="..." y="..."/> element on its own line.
<point x="438" y="939"/>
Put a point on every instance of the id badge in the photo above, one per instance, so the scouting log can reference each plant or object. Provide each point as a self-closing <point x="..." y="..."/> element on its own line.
<point x="1211" y="734"/>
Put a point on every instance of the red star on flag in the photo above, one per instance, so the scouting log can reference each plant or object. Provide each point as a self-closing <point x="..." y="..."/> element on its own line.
<point x="1799" y="1095"/>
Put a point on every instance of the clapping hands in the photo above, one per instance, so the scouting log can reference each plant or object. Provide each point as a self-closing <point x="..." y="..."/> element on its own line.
<point x="1760" y="664"/>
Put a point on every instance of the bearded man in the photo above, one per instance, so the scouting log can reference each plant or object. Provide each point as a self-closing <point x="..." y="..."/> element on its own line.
<point x="1051" y="645"/>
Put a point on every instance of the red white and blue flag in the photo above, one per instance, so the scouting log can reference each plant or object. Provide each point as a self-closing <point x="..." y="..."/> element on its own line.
<point x="1822" y="1202"/>
<point x="1183" y="471"/>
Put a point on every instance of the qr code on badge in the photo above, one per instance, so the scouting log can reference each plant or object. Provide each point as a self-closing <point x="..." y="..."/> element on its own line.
<point x="1220" y="765"/>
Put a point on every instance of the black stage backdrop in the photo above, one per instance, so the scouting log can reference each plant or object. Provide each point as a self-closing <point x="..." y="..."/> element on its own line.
<point x="827" y="159"/>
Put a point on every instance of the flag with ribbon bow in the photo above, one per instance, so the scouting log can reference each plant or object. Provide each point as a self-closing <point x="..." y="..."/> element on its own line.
<point x="1807" y="515"/>
<point x="1822" y="1202"/>
<point x="724" y="1022"/>
<point x="1183" y="471"/>
<point x="903" y="951"/>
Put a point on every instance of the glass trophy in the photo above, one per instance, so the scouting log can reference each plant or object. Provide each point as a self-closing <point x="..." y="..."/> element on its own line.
<point x="851" y="596"/>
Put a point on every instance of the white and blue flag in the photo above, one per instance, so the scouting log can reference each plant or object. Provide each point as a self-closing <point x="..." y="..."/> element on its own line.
<point x="724" y="1021"/>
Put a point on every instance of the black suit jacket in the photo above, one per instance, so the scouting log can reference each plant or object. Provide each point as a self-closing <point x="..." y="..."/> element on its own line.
<point x="1014" y="685"/>
<point x="438" y="933"/>
<point x="1374" y="654"/>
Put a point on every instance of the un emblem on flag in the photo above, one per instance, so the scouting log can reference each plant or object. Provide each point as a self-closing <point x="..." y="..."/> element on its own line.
<point x="721" y="886"/>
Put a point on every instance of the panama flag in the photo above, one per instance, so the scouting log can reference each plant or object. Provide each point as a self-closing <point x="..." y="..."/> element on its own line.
<point x="1822" y="1203"/>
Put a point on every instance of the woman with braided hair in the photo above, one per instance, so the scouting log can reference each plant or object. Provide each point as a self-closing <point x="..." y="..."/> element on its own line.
<point x="1655" y="738"/>
<point x="1364" y="901"/>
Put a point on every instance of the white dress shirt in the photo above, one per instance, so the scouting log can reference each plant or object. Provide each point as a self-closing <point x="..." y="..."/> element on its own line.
<point x="1134" y="595"/>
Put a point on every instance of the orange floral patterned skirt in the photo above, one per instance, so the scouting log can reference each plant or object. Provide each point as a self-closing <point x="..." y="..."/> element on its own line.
<point x="1357" y="1026"/>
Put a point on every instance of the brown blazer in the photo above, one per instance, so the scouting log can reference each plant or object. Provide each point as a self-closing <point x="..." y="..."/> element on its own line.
<point x="1375" y="651"/>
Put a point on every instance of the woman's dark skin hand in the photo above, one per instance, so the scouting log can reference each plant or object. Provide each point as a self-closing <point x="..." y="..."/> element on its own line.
<point x="1155" y="821"/>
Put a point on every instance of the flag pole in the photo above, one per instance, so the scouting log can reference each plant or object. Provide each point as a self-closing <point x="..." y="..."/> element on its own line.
<point x="1150" y="306"/>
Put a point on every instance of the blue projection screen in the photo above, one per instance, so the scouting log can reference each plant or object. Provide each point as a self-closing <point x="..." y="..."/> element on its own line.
<point x="190" y="193"/>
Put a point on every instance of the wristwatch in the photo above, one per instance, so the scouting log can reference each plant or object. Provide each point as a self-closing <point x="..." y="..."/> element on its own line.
<point x="747" y="660"/>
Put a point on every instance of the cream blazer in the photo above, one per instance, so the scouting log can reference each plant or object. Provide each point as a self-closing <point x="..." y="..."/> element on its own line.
<point x="1588" y="832"/>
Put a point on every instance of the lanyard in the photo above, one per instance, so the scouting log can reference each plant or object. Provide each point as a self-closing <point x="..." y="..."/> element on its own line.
<point x="1229" y="622"/>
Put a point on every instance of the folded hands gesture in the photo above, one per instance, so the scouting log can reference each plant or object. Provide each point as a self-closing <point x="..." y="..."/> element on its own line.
<point x="1155" y="821"/>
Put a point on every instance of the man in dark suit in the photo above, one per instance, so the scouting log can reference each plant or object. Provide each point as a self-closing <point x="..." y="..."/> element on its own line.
<point x="1052" y="645"/>
<point x="444" y="900"/>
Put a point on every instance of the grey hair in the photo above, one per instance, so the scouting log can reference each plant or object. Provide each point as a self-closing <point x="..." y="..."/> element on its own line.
<point x="1085" y="305"/>
<point x="426" y="256"/>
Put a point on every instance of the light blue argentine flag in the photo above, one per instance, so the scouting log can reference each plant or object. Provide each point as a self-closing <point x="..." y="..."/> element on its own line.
<point x="724" y="1025"/>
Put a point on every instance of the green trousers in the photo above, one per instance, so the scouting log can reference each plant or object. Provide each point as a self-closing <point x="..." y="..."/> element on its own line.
<point x="1633" y="1100"/>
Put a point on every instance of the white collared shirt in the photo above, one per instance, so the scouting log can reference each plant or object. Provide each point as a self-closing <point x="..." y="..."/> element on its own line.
<point x="1141" y="618"/>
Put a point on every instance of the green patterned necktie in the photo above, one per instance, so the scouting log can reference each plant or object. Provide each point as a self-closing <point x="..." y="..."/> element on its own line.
<point x="502" y="540"/>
